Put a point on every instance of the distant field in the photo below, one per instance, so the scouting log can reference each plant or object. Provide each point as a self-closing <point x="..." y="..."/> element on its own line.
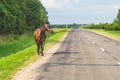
<point x="112" y="34"/>
<point x="13" y="58"/>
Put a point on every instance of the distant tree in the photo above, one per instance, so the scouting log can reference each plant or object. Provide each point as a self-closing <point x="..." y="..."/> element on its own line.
<point x="115" y="26"/>
<point x="118" y="17"/>
<point x="117" y="20"/>
<point x="74" y="25"/>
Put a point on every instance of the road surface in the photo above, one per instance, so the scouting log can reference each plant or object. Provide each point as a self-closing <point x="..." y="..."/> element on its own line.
<point x="83" y="55"/>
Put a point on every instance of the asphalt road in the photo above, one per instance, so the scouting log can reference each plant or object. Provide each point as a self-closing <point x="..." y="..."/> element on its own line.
<point x="83" y="55"/>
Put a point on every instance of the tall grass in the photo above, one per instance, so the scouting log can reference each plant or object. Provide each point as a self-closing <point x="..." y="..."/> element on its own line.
<point x="12" y="63"/>
<point x="15" y="46"/>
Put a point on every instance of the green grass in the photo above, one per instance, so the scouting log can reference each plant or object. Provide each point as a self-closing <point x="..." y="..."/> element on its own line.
<point x="12" y="47"/>
<point x="12" y="63"/>
<point x="111" y="34"/>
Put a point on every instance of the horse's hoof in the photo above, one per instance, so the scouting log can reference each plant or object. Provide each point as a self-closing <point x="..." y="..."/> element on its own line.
<point x="42" y="54"/>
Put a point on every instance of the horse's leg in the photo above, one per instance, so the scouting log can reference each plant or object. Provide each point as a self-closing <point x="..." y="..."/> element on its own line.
<point x="42" y="48"/>
<point x="38" y="49"/>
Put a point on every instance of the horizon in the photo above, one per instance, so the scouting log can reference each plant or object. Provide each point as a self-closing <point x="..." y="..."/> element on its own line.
<point x="81" y="11"/>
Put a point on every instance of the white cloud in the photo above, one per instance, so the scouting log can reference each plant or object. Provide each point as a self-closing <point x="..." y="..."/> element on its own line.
<point x="66" y="1"/>
<point x="116" y="7"/>
<point x="57" y="3"/>
<point x="51" y="3"/>
<point x="76" y="1"/>
<point x="71" y="1"/>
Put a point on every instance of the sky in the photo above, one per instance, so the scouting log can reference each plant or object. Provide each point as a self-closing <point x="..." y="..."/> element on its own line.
<point x="81" y="11"/>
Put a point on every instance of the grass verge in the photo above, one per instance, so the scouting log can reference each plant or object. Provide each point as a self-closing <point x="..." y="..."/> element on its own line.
<point x="111" y="34"/>
<point x="12" y="63"/>
<point x="12" y="47"/>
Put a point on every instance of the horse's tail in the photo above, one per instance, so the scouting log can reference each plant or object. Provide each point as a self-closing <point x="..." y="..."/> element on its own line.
<point x="35" y="38"/>
<point x="36" y="35"/>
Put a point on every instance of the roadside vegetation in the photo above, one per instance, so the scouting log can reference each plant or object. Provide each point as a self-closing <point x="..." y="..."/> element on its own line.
<point x="110" y="29"/>
<point x="9" y="45"/>
<point x="15" y="60"/>
<point x="18" y="20"/>
<point x="111" y="34"/>
<point x="114" y="26"/>
<point x="19" y="16"/>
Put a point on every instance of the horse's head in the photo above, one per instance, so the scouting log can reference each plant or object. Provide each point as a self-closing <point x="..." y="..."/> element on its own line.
<point x="48" y="27"/>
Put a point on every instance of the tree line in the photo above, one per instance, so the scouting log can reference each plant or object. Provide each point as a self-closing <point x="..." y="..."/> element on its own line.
<point x="115" y="25"/>
<point x="18" y="16"/>
<point x="74" y="25"/>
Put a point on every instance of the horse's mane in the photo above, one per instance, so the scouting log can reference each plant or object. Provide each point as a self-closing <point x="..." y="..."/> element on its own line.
<point x="43" y="25"/>
<point x="47" y="22"/>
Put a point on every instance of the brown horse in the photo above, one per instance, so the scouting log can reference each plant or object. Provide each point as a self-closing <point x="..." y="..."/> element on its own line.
<point x="40" y="36"/>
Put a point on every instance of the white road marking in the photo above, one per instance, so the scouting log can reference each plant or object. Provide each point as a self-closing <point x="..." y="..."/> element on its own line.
<point x="119" y="63"/>
<point x="102" y="49"/>
<point x="93" y="42"/>
<point x="88" y="38"/>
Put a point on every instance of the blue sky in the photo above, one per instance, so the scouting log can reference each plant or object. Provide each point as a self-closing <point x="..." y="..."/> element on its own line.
<point x="81" y="11"/>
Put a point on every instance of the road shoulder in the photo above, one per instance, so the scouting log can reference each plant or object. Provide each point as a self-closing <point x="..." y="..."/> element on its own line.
<point x="30" y="72"/>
